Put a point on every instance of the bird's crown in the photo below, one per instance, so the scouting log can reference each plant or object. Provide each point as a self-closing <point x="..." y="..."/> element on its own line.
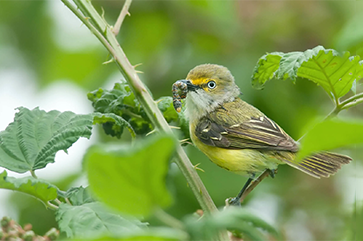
<point x="204" y="73"/>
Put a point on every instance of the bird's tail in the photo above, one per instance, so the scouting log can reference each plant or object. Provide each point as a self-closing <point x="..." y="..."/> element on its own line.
<point x="322" y="164"/>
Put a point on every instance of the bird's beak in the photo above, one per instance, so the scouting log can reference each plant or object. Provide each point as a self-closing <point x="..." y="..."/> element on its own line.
<point x="190" y="85"/>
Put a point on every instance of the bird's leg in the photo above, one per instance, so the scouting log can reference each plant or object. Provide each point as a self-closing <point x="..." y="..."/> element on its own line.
<point x="272" y="172"/>
<point x="236" y="200"/>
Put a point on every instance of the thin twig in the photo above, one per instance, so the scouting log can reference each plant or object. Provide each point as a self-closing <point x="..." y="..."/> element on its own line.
<point x="169" y="220"/>
<point x="67" y="201"/>
<point x="254" y="183"/>
<point x="121" y="17"/>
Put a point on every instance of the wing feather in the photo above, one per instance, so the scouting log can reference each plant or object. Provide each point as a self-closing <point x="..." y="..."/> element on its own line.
<point x="258" y="132"/>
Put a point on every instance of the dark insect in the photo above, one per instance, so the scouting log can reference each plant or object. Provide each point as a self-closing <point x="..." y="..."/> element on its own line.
<point x="179" y="92"/>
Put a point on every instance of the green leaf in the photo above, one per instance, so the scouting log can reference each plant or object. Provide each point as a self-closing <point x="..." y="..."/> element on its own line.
<point x="121" y="101"/>
<point x="265" y="69"/>
<point x="93" y="220"/>
<point x="79" y="195"/>
<point x="233" y="219"/>
<point x="35" y="136"/>
<point x="40" y="189"/>
<point x="331" y="134"/>
<point x="334" y="72"/>
<point x="113" y="124"/>
<point x="121" y="109"/>
<point x="165" y="105"/>
<point x="291" y="62"/>
<point x="132" y="180"/>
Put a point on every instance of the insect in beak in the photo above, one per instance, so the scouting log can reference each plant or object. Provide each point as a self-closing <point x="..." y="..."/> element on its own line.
<point x="180" y="90"/>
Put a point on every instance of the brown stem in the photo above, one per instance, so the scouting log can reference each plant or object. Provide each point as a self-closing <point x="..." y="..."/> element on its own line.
<point x="254" y="183"/>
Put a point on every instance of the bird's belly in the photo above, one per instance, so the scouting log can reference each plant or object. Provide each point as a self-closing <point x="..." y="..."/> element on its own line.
<point x="240" y="161"/>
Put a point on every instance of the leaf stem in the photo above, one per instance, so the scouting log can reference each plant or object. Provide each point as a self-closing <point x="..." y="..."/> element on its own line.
<point x="352" y="101"/>
<point x="32" y="172"/>
<point x="169" y="220"/>
<point x="104" y="33"/>
<point x="68" y="202"/>
<point x="51" y="206"/>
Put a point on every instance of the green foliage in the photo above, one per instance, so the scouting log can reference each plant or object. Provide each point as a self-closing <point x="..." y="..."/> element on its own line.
<point x="55" y="61"/>
<point x="93" y="220"/>
<point x="121" y="101"/>
<point x="235" y="219"/>
<point x="125" y="110"/>
<point x="151" y="234"/>
<point x="32" y="140"/>
<point x="334" y="72"/>
<point x="331" y="134"/>
<point x="79" y="195"/>
<point x="113" y="124"/>
<point x="165" y="104"/>
<point x="132" y="179"/>
<point x="265" y="69"/>
<point x="39" y="189"/>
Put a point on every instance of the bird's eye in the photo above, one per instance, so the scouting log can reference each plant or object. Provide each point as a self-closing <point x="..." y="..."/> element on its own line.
<point x="211" y="84"/>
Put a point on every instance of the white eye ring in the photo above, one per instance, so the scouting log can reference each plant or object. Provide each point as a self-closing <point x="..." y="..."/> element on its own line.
<point x="211" y="84"/>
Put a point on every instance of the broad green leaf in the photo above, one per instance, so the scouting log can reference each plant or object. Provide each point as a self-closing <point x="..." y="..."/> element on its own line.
<point x="37" y="188"/>
<point x="331" y="134"/>
<point x="132" y="180"/>
<point x="121" y="102"/>
<point x="232" y="219"/>
<point x="165" y="105"/>
<point x="334" y="72"/>
<point x="35" y="136"/>
<point x="79" y="195"/>
<point x="113" y="124"/>
<point x="265" y="69"/>
<point x="150" y="234"/>
<point x="93" y="220"/>
<point x="291" y="62"/>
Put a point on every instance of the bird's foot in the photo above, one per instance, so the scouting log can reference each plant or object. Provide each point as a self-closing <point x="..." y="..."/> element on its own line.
<point x="273" y="172"/>
<point x="233" y="202"/>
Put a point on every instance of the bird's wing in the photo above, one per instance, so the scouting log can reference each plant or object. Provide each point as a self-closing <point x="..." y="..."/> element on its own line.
<point x="258" y="132"/>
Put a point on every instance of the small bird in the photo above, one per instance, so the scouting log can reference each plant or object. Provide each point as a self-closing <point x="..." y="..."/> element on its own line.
<point x="237" y="136"/>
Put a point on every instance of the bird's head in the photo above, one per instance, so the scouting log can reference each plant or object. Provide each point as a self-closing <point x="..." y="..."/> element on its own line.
<point x="209" y="86"/>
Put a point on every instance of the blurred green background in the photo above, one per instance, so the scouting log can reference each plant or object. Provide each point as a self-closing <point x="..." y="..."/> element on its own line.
<point x="45" y="42"/>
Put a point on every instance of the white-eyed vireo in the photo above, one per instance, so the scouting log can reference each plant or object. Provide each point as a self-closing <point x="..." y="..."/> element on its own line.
<point x="237" y="136"/>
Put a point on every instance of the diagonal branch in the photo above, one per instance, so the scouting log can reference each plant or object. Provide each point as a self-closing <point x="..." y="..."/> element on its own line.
<point x="254" y="183"/>
<point x="99" y="27"/>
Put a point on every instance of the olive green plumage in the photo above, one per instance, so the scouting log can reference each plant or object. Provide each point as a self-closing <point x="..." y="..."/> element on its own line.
<point x="239" y="137"/>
